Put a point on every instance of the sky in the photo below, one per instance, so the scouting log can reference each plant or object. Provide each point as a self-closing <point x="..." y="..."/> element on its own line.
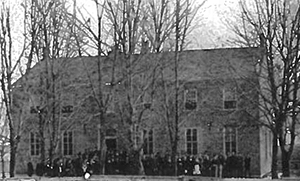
<point x="211" y="31"/>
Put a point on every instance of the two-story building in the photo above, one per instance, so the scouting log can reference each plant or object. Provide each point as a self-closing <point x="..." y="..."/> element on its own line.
<point x="217" y="106"/>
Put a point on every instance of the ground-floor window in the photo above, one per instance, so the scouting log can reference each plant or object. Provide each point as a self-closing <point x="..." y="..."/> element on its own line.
<point x="230" y="139"/>
<point x="136" y="135"/>
<point x="191" y="141"/>
<point x="68" y="143"/>
<point x="34" y="144"/>
<point x="148" y="142"/>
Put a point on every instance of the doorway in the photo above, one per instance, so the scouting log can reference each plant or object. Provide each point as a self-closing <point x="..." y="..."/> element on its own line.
<point x="111" y="144"/>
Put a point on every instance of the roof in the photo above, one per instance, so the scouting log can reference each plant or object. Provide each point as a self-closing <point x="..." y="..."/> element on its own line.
<point x="193" y="64"/>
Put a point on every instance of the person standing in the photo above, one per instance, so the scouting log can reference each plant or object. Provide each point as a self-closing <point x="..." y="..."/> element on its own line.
<point x="215" y="163"/>
<point x="196" y="170"/>
<point x="247" y="161"/>
<point x="235" y="164"/>
<point x="221" y="162"/>
<point x="29" y="169"/>
<point x="206" y="165"/>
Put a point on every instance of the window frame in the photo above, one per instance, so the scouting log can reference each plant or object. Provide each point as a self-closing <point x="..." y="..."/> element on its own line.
<point x="233" y="138"/>
<point x="136" y="135"/>
<point x="149" y="144"/>
<point x="234" y="92"/>
<point x="70" y="146"/>
<point x="35" y="146"/>
<point x="194" y="143"/>
<point x="195" y="99"/>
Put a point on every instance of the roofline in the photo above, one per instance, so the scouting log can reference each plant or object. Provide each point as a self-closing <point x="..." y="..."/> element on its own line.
<point x="222" y="48"/>
<point x="189" y="50"/>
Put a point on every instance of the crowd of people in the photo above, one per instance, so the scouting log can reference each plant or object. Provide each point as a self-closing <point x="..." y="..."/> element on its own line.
<point x="123" y="163"/>
<point x="217" y="165"/>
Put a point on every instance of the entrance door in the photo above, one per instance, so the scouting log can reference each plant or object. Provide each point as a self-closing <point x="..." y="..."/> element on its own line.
<point x="111" y="144"/>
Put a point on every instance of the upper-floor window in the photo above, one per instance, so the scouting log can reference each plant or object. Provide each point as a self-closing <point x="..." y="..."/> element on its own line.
<point x="191" y="141"/>
<point x="110" y="139"/>
<point x="67" y="143"/>
<point x="67" y="109"/>
<point x="229" y="98"/>
<point x="67" y="102"/>
<point x="34" y="144"/>
<point x="190" y="101"/>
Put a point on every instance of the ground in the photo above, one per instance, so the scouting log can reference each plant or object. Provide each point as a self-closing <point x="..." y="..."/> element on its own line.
<point x="136" y="178"/>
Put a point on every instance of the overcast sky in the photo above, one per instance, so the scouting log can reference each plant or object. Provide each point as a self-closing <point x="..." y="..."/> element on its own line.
<point x="211" y="31"/>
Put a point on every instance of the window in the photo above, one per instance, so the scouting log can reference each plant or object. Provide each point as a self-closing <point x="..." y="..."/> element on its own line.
<point x="34" y="144"/>
<point x="111" y="144"/>
<point x="288" y="133"/>
<point x="148" y="142"/>
<point x="136" y="135"/>
<point x="191" y="141"/>
<point x="68" y="143"/>
<point x="67" y="109"/>
<point x="110" y="139"/>
<point x="190" y="99"/>
<point x="229" y="97"/>
<point x="33" y="110"/>
<point x="67" y="103"/>
<point x="230" y="139"/>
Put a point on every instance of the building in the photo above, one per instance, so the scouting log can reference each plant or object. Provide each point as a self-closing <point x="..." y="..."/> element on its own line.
<point x="216" y="101"/>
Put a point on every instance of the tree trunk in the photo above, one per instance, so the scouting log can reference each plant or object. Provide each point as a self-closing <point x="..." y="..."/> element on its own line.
<point x="173" y="156"/>
<point x="136" y="163"/>
<point x="285" y="163"/>
<point x="54" y="132"/>
<point x="102" y="152"/>
<point x="274" y="157"/>
<point x="177" y="50"/>
<point x="12" y="162"/>
<point x="42" y="149"/>
<point x="2" y="160"/>
<point x="141" y="166"/>
<point x="42" y="139"/>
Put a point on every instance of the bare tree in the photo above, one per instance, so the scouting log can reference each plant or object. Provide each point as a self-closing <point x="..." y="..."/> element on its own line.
<point x="9" y="69"/>
<point x="4" y="139"/>
<point x="158" y="24"/>
<point x="96" y="44"/>
<point x="182" y="20"/>
<point x="274" y="27"/>
<point x="134" y="33"/>
<point x="126" y="19"/>
<point x="52" y="39"/>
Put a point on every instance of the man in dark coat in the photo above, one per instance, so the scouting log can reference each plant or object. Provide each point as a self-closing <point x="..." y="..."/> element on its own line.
<point x="247" y="161"/>
<point x="29" y="169"/>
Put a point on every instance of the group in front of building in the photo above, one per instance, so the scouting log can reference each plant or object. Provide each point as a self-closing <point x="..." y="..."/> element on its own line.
<point x="210" y="165"/>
